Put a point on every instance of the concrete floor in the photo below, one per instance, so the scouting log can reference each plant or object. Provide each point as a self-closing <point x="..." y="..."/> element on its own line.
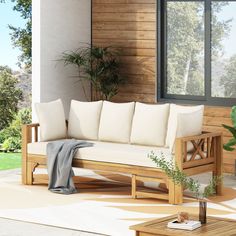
<point x="18" y="228"/>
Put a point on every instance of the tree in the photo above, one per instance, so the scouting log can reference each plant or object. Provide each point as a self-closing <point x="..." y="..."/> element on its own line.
<point x="228" y="80"/>
<point x="6" y="68"/>
<point x="185" y="45"/>
<point x="9" y="98"/>
<point x="22" y="37"/>
<point x="185" y="41"/>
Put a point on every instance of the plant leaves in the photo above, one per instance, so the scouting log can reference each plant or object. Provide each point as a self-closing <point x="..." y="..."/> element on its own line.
<point x="232" y="130"/>
<point x="233" y="116"/>
<point x="228" y="148"/>
<point x="231" y="142"/>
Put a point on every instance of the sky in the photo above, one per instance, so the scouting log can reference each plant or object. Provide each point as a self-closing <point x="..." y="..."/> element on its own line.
<point x="8" y="54"/>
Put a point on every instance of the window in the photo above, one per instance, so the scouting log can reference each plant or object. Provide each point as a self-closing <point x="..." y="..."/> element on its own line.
<point x="197" y="51"/>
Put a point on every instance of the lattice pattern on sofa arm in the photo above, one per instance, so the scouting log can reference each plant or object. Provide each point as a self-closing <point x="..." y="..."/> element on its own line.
<point x="205" y="149"/>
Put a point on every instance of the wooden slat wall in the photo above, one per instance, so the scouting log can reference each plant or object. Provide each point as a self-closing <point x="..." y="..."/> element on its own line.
<point x="130" y="25"/>
<point x="213" y="120"/>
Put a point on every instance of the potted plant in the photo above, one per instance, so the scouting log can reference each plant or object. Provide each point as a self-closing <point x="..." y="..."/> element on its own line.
<point x="178" y="177"/>
<point x="230" y="146"/>
<point x="99" y="65"/>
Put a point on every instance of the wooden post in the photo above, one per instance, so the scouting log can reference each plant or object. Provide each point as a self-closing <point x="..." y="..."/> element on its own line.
<point x="219" y="162"/>
<point x="171" y="189"/>
<point x="178" y="189"/>
<point x="133" y="186"/>
<point x="26" y="138"/>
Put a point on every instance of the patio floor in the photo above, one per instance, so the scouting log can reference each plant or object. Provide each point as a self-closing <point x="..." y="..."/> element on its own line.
<point x="18" y="228"/>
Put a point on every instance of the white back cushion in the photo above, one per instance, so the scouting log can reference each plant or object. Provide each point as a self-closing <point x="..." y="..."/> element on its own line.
<point x="115" y="122"/>
<point x="149" y="124"/>
<point x="52" y="122"/>
<point x="177" y="127"/>
<point x="84" y="120"/>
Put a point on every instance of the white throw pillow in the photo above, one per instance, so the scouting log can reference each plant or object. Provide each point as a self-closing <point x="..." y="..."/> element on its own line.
<point x="115" y="123"/>
<point x="175" y="124"/>
<point x="149" y="124"/>
<point x="52" y="120"/>
<point x="84" y="120"/>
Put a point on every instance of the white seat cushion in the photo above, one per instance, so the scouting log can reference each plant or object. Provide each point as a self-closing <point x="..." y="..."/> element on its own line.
<point x="52" y="120"/>
<point x="149" y="124"/>
<point x="110" y="152"/>
<point x="115" y="122"/>
<point x="84" y="120"/>
<point x="183" y="121"/>
<point x="113" y="153"/>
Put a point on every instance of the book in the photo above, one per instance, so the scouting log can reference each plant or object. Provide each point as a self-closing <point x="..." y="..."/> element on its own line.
<point x="187" y="225"/>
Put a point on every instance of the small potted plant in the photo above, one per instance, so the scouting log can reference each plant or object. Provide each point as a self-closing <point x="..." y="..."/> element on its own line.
<point x="98" y="65"/>
<point x="178" y="177"/>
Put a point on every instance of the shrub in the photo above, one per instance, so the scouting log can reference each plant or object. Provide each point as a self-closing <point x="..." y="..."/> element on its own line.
<point x="10" y="137"/>
<point x="10" y="95"/>
<point x="11" y="144"/>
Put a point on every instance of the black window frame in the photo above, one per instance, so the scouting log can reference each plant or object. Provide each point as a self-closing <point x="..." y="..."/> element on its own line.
<point x="162" y="95"/>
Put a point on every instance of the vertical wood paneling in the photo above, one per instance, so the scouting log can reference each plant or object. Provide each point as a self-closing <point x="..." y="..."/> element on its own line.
<point x="130" y="25"/>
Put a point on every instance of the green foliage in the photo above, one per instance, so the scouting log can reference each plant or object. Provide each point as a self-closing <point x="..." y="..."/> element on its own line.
<point x="229" y="146"/>
<point x="185" y="44"/>
<point x="228" y="79"/>
<point x="11" y="136"/>
<point x="99" y="65"/>
<point x="22" y="37"/>
<point x="9" y="98"/>
<point x="5" y="68"/>
<point x="178" y="177"/>
<point x="11" y="144"/>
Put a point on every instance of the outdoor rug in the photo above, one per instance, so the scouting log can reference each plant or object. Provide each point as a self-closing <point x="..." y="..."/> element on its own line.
<point x="103" y="204"/>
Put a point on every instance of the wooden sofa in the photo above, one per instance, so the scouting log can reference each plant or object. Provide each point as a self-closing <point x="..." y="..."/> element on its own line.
<point x="207" y="145"/>
<point x="206" y="156"/>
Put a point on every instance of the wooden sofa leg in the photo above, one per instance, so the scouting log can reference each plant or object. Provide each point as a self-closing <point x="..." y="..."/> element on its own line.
<point x="133" y="186"/>
<point x="26" y="168"/>
<point x="171" y="189"/>
<point x="23" y="170"/>
<point x="175" y="193"/>
<point x="219" y="164"/>
<point x="178" y="194"/>
<point x="29" y="173"/>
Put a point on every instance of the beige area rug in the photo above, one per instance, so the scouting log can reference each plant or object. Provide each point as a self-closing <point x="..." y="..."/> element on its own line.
<point x="103" y="204"/>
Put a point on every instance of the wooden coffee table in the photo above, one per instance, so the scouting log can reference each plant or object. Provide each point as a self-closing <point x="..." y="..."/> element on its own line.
<point x="214" y="227"/>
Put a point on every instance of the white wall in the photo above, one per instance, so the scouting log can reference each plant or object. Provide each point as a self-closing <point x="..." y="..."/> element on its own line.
<point x="58" y="26"/>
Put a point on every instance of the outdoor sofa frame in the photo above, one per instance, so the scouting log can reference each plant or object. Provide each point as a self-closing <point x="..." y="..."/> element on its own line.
<point x="207" y="146"/>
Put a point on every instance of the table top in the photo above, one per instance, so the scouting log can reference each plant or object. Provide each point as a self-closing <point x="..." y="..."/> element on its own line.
<point x="213" y="227"/>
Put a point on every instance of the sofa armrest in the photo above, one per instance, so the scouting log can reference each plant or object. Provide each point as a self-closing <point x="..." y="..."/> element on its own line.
<point x="204" y="135"/>
<point x="30" y="133"/>
<point x="207" y="148"/>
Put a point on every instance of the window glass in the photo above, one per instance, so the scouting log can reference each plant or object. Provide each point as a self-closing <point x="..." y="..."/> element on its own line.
<point x="185" y="48"/>
<point x="223" y="49"/>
